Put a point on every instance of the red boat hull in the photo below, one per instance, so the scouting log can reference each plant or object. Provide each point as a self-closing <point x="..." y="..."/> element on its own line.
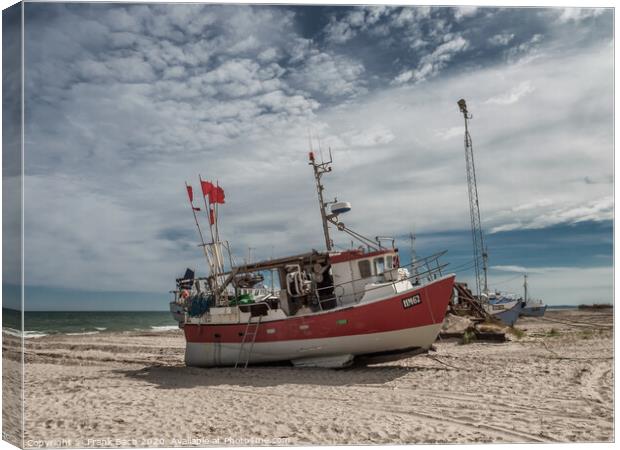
<point x="404" y="321"/>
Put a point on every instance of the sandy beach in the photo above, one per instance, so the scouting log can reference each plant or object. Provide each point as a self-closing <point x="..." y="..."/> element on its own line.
<point x="554" y="383"/>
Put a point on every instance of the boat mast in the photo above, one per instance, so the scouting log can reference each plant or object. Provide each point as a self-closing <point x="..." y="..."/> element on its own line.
<point x="413" y="255"/>
<point x="480" y="253"/>
<point x="190" y="192"/>
<point x="319" y="170"/>
<point x="249" y="260"/>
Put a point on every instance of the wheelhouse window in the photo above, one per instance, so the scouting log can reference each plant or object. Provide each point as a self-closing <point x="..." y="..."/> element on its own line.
<point x="364" y="267"/>
<point x="389" y="262"/>
<point x="379" y="266"/>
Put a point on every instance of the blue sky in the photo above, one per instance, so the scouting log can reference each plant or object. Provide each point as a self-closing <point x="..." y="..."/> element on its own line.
<point x="126" y="102"/>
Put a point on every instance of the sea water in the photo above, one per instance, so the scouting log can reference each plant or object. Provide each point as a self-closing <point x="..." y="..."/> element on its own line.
<point x="42" y="323"/>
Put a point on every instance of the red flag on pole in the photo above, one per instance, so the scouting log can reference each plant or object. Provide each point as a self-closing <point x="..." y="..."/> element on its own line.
<point x="207" y="187"/>
<point x="216" y="195"/>
<point x="211" y="216"/>
<point x="190" y="193"/>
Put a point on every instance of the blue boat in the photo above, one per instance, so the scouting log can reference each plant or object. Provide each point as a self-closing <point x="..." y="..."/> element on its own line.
<point x="532" y="307"/>
<point x="504" y="308"/>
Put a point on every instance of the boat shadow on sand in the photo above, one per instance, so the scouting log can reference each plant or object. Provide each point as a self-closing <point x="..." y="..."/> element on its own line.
<point x="173" y="377"/>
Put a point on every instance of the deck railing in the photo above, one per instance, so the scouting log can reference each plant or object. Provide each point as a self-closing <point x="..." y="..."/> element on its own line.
<point x="424" y="270"/>
<point x="432" y="270"/>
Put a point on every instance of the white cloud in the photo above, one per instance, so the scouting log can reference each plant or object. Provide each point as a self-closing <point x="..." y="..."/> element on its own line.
<point x="545" y="213"/>
<point x="409" y="23"/>
<point x="361" y="18"/>
<point x="577" y="14"/>
<point x="464" y="11"/>
<point x="526" y="51"/>
<point x="403" y="77"/>
<point x="244" y="77"/>
<point x="432" y="63"/>
<point x="452" y="46"/>
<point x="326" y="74"/>
<point x="371" y="137"/>
<point x="450" y="133"/>
<point x="174" y="72"/>
<point x="501" y="39"/>
<point x="540" y="203"/>
<point x="248" y="44"/>
<point x="268" y="55"/>
<point x="514" y="95"/>
<point x="516" y="269"/>
<point x="339" y="32"/>
<point x="120" y="19"/>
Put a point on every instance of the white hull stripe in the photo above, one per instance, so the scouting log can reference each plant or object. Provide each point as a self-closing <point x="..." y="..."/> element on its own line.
<point x="206" y="354"/>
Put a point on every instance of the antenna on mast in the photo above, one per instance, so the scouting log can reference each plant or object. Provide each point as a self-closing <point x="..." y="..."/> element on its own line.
<point x="412" y="239"/>
<point x="319" y="170"/>
<point x="413" y="254"/>
<point x="337" y="208"/>
<point x="190" y="193"/>
<point x="249" y="260"/>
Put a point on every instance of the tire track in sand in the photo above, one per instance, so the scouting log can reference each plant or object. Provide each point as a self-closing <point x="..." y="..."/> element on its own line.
<point x="500" y="432"/>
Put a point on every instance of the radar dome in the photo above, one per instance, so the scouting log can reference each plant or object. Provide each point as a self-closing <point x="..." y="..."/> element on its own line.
<point x="340" y="207"/>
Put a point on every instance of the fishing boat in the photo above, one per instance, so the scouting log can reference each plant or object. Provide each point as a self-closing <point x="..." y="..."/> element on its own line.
<point x="531" y="307"/>
<point x="330" y="306"/>
<point x="503" y="307"/>
<point x="534" y="308"/>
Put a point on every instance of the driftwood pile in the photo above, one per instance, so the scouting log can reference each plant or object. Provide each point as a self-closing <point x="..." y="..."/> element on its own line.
<point x="469" y="328"/>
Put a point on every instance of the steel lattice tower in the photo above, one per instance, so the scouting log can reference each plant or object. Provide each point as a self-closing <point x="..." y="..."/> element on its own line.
<point x="480" y="254"/>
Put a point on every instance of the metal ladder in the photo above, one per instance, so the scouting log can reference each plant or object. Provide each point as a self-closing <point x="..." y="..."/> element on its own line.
<point x="249" y="337"/>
